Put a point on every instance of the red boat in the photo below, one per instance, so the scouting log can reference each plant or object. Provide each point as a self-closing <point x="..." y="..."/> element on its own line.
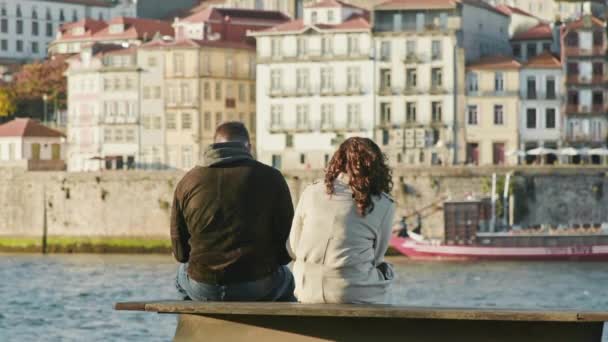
<point x="419" y="249"/>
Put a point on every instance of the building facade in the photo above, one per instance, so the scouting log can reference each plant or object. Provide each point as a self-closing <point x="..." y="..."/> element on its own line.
<point x="550" y="10"/>
<point x="420" y="70"/>
<point x="314" y="86"/>
<point x="584" y="59"/>
<point x="492" y="111"/>
<point x="536" y="40"/>
<point x="541" y="91"/>
<point x="103" y="102"/>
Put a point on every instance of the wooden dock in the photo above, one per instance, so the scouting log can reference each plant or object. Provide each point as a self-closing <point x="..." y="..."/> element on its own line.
<point x="229" y="321"/>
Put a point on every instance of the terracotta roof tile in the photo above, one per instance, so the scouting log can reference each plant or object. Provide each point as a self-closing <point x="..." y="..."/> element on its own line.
<point x="195" y="43"/>
<point x="249" y="15"/>
<point x="134" y="28"/>
<point x="23" y="127"/>
<point x="355" y="22"/>
<point x="498" y="62"/>
<point x="541" y="31"/>
<point x="545" y="60"/>
<point x="434" y="5"/>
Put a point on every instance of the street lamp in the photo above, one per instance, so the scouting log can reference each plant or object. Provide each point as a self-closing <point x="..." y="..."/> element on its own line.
<point x="45" y="98"/>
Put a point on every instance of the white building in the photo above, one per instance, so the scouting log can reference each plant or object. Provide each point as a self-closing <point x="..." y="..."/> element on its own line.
<point x="420" y="65"/>
<point x="541" y="93"/>
<point x="103" y="102"/>
<point x="27" y="143"/>
<point x="314" y="85"/>
<point x="28" y="26"/>
<point x="549" y="10"/>
<point x="151" y="60"/>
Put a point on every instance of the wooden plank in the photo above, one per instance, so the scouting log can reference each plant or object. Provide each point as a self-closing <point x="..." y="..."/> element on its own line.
<point x="362" y="311"/>
<point x="130" y="306"/>
<point x="245" y="328"/>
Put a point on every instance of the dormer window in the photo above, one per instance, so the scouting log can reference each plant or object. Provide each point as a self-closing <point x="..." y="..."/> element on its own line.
<point x="116" y="28"/>
<point x="313" y="17"/>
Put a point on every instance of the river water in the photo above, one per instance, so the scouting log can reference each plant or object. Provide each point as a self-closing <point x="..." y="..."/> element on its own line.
<point x="69" y="297"/>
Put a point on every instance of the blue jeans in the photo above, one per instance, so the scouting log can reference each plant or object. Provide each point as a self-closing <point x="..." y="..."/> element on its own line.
<point x="278" y="287"/>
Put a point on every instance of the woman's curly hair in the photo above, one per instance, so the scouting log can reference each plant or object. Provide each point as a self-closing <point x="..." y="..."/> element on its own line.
<point x="363" y="161"/>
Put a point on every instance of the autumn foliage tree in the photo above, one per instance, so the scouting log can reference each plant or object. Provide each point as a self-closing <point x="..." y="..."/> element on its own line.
<point x="35" y="80"/>
<point x="7" y="102"/>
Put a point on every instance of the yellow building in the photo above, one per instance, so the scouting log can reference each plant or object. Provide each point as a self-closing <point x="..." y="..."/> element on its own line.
<point x="492" y="111"/>
<point x="206" y="83"/>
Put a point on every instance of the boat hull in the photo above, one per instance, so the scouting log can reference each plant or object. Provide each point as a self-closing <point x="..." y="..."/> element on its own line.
<point x="423" y="251"/>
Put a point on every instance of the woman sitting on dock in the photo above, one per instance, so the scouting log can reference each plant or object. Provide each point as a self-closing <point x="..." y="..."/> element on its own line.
<point x="342" y="228"/>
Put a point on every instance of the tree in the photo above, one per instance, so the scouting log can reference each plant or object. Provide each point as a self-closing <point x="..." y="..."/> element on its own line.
<point x="7" y="102"/>
<point x="39" y="78"/>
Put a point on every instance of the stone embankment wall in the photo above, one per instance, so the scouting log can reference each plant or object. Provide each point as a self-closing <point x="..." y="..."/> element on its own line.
<point x="138" y="204"/>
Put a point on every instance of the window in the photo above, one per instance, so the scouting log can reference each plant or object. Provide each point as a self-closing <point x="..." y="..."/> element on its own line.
<point x="598" y="38"/>
<point x="61" y="15"/>
<point x="302" y="79"/>
<point x="385" y="50"/>
<point x="327" y="115"/>
<point x="49" y="29"/>
<point x="35" y="47"/>
<point x="551" y="88"/>
<point x="330" y="16"/>
<point x="572" y="69"/>
<point x="410" y="112"/>
<point x="74" y="15"/>
<point x="207" y="121"/>
<point x="472" y="119"/>
<point x="301" y="46"/>
<point x="19" y="45"/>
<point x="252" y="121"/>
<point x="289" y="140"/>
<point x="531" y="88"/>
<point x="229" y="66"/>
<point x="118" y="135"/>
<point x="550" y="121"/>
<point x="353" y="79"/>
<point x="472" y="83"/>
<point x="385" y="79"/>
<point x="410" y="49"/>
<point x="145" y="122"/>
<point x="437" y="112"/>
<point x="531" y="50"/>
<point x="598" y="69"/>
<point x="385" y="113"/>
<point x="19" y="11"/>
<point x="34" y="28"/>
<point x="531" y="118"/>
<point x="206" y="64"/>
<point x="302" y="158"/>
<point x="598" y="98"/>
<point x="218" y="118"/>
<point x="353" y="45"/>
<point x="573" y="97"/>
<point x="229" y="91"/>
<point x="19" y="26"/>
<point x="275" y="79"/>
<point x="186" y="157"/>
<point x="275" y="47"/>
<point x="178" y="64"/>
<point x="498" y="115"/>
<point x="326" y="46"/>
<point x="157" y="122"/>
<point x="302" y="116"/>
<point x="206" y="91"/>
<point x="326" y="79"/>
<point x="48" y="16"/>
<point x="276" y="113"/>
<point x="170" y="121"/>
<point x="436" y="49"/>
<point x="517" y="50"/>
<point x="252" y="92"/>
<point x="218" y="90"/>
<point x="3" y="9"/>
<point x="385" y="137"/>
<point x="242" y="93"/>
<point x="107" y="134"/>
<point x="411" y="78"/>
<point x="130" y="135"/>
<point x="4" y="44"/>
<point x="151" y="61"/>
<point x="436" y="78"/>
<point x="546" y="46"/>
<point x="499" y="82"/>
<point x="186" y="121"/>
<point x="353" y="115"/>
<point x="313" y="17"/>
<point x="4" y="25"/>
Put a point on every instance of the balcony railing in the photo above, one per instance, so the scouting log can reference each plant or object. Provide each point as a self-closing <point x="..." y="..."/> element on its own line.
<point x="308" y="127"/>
<point x="582" y="137"/>
<point x="312" y="91"/>
<point x="580" y="52"/>
<point x="413" y="58"/>
<point x="437" y="89"/>
<point x="586" y="109"/>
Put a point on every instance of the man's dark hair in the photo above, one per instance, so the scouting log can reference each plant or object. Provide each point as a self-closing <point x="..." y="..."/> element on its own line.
<point x="232" y="131"/>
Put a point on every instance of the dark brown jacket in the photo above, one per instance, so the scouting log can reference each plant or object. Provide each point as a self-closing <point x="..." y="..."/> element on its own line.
<point x="231" y="218"/>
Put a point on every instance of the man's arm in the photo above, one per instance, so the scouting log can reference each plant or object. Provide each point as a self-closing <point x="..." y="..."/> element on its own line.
<point x="179" y="232"/>
<point x="283" y="219"/>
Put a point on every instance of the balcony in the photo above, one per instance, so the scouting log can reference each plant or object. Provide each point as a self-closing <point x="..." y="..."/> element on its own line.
<point x="412" y="58"/>
<point x="580" y="52"/>
<point x="437" y="90"/>
<point x="328" y="91"/>
<point x="598" y="109"/>
<point x="309" y="127"/>
<point x="410" y="90"/>
<point x="385" y="91"/>
<point x="580" y="137"/>
<point x="385" y="23"/>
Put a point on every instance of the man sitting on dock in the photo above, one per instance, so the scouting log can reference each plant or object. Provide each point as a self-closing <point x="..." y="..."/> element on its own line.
<point x="230" y="221"/>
